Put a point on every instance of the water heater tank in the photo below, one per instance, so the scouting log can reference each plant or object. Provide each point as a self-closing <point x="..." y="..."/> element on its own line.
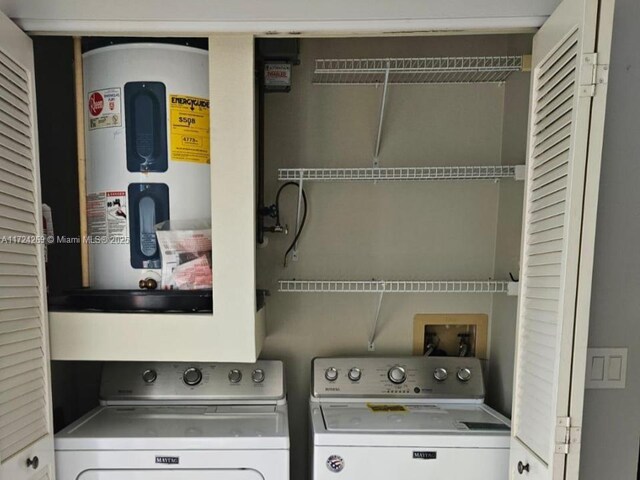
<point x="147" y="150"/>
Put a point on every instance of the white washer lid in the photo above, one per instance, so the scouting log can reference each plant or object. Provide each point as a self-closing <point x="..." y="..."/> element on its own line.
<point x="176" y="427"/>
<point x="425" y="418"/>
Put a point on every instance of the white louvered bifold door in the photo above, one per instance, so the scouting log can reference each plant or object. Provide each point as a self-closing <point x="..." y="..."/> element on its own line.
<point x="25" y="404"/>
<point x="558" y="148"/>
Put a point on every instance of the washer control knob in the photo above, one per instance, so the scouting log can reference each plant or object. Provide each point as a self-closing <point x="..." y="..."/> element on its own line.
<point x="192" y="376"/>
<point x="331" y="374"/>
<point x="397" y="374"/>
<point x="235" y="376"/>
<point x="355" y="374"/>
<point x="464" y="374"/>
<point x="440" y="374"/>
<point x="258" y="375"/>
<point x="149" y="376"/>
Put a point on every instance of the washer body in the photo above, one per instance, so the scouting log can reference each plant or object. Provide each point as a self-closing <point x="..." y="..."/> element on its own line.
<point x="395" y="420"/>
<point x="155" y="426"/>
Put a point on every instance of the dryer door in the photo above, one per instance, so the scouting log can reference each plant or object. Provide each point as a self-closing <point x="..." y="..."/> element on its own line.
<point x="171" y="474"/>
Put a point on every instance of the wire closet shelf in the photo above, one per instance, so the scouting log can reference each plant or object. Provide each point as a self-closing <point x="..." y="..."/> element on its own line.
<point x="416" y="71"/>
<point x="491" y="172"/>
<point x="392" y="286"/>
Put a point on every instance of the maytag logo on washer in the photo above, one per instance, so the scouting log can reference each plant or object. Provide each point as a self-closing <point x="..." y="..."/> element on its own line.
<point x="335" y="463"/>
<point x="425" y="455"/>
<point x="168" y="460"/>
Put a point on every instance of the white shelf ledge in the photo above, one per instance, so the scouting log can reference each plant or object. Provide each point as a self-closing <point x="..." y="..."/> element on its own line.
<point x="412" y="71"/>
<point x="162" y="337"/>
<point x="491" y="172"/>
<point x="393" y="286"/>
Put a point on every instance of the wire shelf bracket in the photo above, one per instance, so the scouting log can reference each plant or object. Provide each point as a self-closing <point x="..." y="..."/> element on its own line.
<point x="487" y="172"/>
<point x="295" y="254"/>
<point x="383" y="102"/>
<point x="374" y="326"/>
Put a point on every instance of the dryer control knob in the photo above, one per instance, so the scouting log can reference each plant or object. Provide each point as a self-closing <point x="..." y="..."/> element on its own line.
<point x="397" y="374"/>
<point x="192" y="376"/>
<point x="440" y="374"/>
<point x="355" y="374"/>
<point x="258" y="375"/>
<point x="331" y="374"/>
<point x="464" y="374"/>
<point x="149" y="376"/>
<point x="235" y="376"/>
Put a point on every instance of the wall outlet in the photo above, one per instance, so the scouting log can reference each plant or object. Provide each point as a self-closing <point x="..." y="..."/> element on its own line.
<point x="606" y="368"/>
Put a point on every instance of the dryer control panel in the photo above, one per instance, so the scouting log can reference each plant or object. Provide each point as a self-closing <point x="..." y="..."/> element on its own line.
<point x="192" y="383"/>
<point x="455" y="378"/>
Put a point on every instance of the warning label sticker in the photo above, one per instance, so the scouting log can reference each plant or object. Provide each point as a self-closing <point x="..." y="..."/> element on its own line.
<point x="107" y="215"/>
<point x="385" y="408"/>
<point x="105" y="108"/>
<point x="189" y="129"/>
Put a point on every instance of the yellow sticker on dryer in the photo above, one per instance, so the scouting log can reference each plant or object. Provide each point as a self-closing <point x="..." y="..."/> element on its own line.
<point x="384" y="408"/>
<point x="189" y="129"/>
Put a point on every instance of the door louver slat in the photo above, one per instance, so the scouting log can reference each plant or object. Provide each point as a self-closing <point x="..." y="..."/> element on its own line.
<point x="564" y="96"/>
<point x="18" y="314"/>
<point x="18" y="325"/>
<point x="15" y="111"/>
<point x="11" y="201"/>
<point x="16" y="259"/>
<point x="546" y="247"/>
<point x="26" y="302"/>
<point x="15" y="179"/>
<point x="16" y="191"/>
<point x="8" y="85"/>
<point x="9" y="157"/>
<point x="22" y="109"/>
<point x="554" y="127"/>
<point x="561" y="110"/>
<point x="20" y="293"/>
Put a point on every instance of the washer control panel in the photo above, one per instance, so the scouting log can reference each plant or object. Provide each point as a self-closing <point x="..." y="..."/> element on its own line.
<point x="411" y="377"/>
<point x="189" y="382"/>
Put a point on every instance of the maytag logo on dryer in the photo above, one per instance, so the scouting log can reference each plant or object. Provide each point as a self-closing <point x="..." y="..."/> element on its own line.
<point x="168" y="460"/>
<point x="424" y="455"/>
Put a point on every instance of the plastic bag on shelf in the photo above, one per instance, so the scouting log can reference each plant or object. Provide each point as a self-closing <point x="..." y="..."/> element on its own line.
<point x="185" y="246"/>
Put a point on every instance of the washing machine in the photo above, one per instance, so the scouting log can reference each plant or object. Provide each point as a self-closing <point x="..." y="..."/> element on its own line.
<point x="177" y="421"/>
<point x="410" y="418"/>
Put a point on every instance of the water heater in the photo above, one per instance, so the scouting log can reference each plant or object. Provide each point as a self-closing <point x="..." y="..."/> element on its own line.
<point x="147" y="151"/>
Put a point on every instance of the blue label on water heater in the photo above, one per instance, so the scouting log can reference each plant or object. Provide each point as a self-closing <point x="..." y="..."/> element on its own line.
<point x="145" y="109"/>
<point x="148" y="206"/>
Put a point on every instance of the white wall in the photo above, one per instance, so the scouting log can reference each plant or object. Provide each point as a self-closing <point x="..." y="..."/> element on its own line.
<point x="507" y="254"/>
<point x="612" y="417"/>
<point x="395" y="231"/>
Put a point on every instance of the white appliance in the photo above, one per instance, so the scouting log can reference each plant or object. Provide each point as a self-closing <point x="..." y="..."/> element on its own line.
<point x="410" y="418"/>
<point x="148" y="155"/>
<point x="176" y="421"/>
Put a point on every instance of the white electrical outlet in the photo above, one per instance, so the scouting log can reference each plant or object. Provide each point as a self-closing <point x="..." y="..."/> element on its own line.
<point x="606" y="368"/>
